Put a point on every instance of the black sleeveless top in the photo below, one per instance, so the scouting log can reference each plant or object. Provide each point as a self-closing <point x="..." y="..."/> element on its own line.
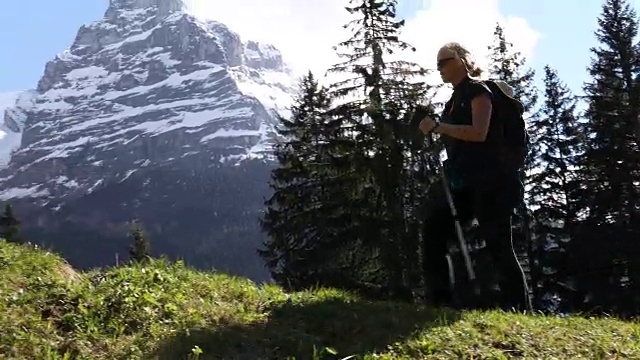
<point x="472" y="159"/>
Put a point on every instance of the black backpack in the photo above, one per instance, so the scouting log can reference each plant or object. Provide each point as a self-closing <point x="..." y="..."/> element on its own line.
<point x="515" y="138"/>
<point x="510" y="113"/>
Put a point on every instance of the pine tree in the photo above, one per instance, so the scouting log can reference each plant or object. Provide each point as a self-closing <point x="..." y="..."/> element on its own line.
<point x="509" y="66"/>
<point x="9" y="224"/>
<point x="555" y="183"/>
<point x="299" y="218"/>
<point x="607" y="253"/>
<point x="139" y="250"/>
<point x="383" y="94"/>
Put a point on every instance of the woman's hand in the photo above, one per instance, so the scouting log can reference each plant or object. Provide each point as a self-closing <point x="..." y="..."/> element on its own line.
<point x="427" y="124"/>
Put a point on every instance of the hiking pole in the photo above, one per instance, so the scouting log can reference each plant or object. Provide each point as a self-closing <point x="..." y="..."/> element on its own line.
<point x="460" y="234"/>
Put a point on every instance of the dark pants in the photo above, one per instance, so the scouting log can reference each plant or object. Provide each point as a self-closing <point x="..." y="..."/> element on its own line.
<point x="493" y="209"/>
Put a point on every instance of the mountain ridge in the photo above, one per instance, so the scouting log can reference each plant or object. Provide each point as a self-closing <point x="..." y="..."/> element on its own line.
<point x="149" y="114"/>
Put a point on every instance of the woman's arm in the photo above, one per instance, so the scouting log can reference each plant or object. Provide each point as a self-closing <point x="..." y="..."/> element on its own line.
<point x="480" y="117"/>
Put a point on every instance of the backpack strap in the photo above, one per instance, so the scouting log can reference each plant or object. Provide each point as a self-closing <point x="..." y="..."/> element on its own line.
<point x="496" y="89"/>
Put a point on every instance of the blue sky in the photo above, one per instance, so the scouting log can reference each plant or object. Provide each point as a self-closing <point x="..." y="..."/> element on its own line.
<point x="33" y="31"/>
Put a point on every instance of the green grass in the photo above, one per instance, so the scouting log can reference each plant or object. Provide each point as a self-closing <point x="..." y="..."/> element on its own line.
<point x="169" y="311"/>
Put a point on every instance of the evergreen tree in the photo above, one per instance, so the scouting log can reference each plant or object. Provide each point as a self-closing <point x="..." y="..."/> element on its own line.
<point x="303" y="217"/>
<point x="555" y="184"/>
<point x="382" y="96"/>
<point x="606" y="255"/>
<point x="509" y="66"/>
<point x="344" y="209"/>
<point x="9" y="224"/>
<point x="139" y="250"/>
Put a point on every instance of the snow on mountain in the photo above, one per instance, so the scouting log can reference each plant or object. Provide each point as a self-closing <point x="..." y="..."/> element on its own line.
<point x="146" y="76"/>
<point x="154" y="115"/>
<point x="11" y="123"/>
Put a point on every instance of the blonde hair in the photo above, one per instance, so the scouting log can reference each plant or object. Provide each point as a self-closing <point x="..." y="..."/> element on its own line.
<point x="465" y="56"/>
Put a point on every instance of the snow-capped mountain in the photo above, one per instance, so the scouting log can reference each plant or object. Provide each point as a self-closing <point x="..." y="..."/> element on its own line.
<point x="146" y="108"/>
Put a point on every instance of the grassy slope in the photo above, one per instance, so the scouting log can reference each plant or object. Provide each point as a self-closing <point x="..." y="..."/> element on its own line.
<point x="168" y="311"/>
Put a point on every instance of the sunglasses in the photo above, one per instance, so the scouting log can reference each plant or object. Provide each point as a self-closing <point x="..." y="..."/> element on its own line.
<point x="442" y="62"/>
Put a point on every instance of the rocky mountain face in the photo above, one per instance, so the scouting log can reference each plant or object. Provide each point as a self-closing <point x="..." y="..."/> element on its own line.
<point x="11" y="129"/>
<point x="151" y="114"/>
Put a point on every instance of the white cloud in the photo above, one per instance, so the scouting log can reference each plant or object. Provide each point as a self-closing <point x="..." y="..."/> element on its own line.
<point x="470" y="22"/>
<point x="303" y="30"/>
<point x="306" y="30"/>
